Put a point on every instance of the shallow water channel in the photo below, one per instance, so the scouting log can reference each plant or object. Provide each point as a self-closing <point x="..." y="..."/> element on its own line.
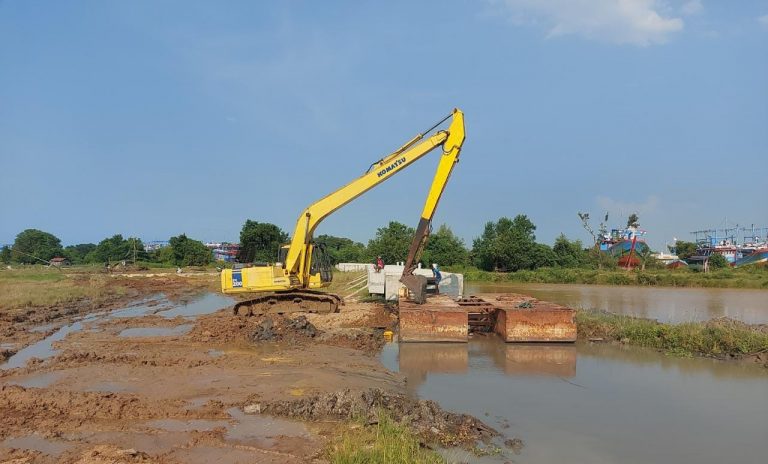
<point x="594" y="403"/>
<point x="204" y="303"/>
<point x="666" y="304"/>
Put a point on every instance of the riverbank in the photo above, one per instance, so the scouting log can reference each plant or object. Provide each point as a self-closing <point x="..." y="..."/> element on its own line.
<point x="718" y="338"/>
<point x="747" y="277"/>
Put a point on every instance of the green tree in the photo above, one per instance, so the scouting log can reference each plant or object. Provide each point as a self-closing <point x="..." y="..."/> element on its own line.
<point x="569" y="253"/>
<point x="342" y="250"/>
<point x="647" y="260"/>
<point x="5" y="255"/>
<point x="544" y="256"/>
<point x="76" y="253"/>
<point x="33" y="246"/>
<point x="507" y="245"/>
<point x="391" y="242"/>
<point x="685" y="249"/>
<point x="632" y="220"/>
<point x="117" y="248"/>
<point x="188" y="252"/>
<point x="260" y="242"/>
<point x="718" y="261"/>
<point x="164" y="255"/>
<point x="445" y="248"/>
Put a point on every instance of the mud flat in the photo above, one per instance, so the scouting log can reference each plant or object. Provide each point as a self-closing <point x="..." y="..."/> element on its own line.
<point x="158" y="381"/>
<point x="25" y="320"/>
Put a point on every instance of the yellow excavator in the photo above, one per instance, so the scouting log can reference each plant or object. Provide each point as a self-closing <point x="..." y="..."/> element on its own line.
<point x="290" y="284"/>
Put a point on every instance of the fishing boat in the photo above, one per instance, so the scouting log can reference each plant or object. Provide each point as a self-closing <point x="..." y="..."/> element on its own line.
<point x="753" y="248"/>
<point x="626" y="245"/>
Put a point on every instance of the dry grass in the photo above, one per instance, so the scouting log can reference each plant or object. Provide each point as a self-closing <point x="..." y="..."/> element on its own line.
<point x="30" y="288"/>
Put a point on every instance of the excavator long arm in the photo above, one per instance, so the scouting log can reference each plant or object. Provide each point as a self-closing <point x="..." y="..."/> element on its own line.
<point x="299" y="254"/>
<point x="451" y="150"/>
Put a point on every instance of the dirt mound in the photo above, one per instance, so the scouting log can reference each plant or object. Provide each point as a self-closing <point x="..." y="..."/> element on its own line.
<point x="280" y="328"/>
<point x="371" y="341"/>
<point x="425" y="417"/>
<point x="5" y="354"/>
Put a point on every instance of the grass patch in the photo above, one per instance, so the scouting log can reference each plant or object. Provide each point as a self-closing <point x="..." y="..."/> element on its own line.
<point x="29" y="288"/>
<point x="747" y="277"/>
<point x="385" y="442"/>
<point x="342" y="280"/>
<point x="717" y="338"/>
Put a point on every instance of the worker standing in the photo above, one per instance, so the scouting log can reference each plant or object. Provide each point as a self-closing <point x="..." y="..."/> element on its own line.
<point x="438" y="277"/>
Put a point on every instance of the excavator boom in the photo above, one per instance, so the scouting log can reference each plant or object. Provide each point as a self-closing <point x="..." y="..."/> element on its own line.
<point x="300" y="269"/>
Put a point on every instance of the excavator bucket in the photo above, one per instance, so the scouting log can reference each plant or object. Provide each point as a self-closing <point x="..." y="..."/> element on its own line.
<point x="417" y="287"/>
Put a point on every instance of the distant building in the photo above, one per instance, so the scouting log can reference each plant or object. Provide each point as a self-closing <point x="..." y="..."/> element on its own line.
<point x="226" y="252"/>
<point x="155" y="245"/>
<point x="59" y="261"/>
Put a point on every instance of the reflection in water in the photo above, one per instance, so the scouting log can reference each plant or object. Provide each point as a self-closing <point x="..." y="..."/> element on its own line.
<point x="418" y="360"/>
<point x="557" y="360"/>
<point x="662" y="303"/>
<point x="622" y="405"/>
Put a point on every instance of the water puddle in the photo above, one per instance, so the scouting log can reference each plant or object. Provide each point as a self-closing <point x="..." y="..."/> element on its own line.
<point x="152" y="443"/>
<point x="215" y="353"/>
<point x="37" y="443"/>
<point x="248" y="429"/>
<point x="205" y="304"/>
<point x="262" y="430"/>
<point x="37" y="380"/>
<point x="42" y="349"/>
<point x="156" y="331"/>
<point x="143" y="307"/>
<point x="176" y="425"/>
<point x="589" y="403"/>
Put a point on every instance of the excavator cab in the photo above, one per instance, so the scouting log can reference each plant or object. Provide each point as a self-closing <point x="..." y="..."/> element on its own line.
<point x="320" y="267"/>
<point x="321" y="264"/>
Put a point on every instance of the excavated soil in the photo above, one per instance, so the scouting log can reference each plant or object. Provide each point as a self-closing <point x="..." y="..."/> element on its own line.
<point x="427" y="418"/>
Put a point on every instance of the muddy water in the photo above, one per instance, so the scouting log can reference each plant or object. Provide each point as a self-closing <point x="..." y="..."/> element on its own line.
<point x="596" y="403"/>
<point x="203" y="304"/>
<point x="662" y="303"/>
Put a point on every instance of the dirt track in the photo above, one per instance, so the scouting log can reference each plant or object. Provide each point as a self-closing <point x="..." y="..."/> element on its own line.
<point x="177" y="396"/>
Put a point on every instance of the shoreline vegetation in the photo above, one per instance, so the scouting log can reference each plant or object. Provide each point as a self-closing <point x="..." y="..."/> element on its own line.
<point x="720" y="338"/>
<point x="755" y="277"/>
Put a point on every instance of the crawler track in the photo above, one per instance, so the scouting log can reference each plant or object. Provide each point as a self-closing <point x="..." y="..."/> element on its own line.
<point x="307" y="301"/>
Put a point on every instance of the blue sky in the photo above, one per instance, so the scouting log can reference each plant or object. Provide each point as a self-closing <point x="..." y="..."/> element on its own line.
<point x="157" y="118"/>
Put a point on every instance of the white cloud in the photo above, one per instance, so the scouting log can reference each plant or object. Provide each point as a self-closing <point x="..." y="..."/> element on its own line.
<point x="692" y="7"/>
<point x="763" y="20"/>
<point x="636" y="22"/>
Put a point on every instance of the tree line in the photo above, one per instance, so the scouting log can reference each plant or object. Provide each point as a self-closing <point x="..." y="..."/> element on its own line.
<point x="504" y="245"/>
<point x="34" y="246"/>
